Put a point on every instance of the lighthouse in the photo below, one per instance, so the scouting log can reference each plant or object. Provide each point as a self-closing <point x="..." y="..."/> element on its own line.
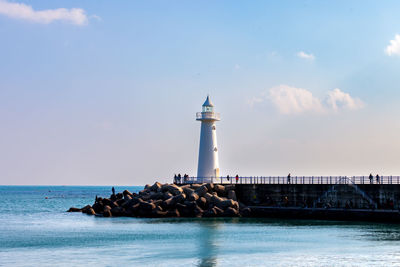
<point x="208" y="167"/>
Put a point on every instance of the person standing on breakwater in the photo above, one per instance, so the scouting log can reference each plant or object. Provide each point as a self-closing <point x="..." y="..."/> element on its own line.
<point x="175" y="179"/>
<point x="377" y="178"/>
<point x="237" y="178"/>
<point x="288" y="178"/>
<point x="227" y="178"/>
<point x="371" y="178"/>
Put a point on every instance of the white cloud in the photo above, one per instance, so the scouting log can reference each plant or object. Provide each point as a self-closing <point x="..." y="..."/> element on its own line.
<point x="237" y="66"/>
<point x="291" y="100"/>
<point x="338" y="99"/>
<point x="394" y="47"/>
<point x="75" y="16"/>
<point x="304" y="55"/>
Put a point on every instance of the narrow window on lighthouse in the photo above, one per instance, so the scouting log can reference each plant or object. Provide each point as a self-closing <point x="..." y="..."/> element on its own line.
<point x="215" y="149"/>
<point x="213" y="127"/>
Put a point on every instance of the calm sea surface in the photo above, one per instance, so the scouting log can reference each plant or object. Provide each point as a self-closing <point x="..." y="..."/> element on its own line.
<point x="35" y="231"/>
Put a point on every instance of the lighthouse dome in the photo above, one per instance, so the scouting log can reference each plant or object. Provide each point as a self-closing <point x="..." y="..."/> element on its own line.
<point x="208" y="102"/>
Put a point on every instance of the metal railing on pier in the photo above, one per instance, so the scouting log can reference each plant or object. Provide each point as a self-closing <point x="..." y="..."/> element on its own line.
<point x="291" y="180"/>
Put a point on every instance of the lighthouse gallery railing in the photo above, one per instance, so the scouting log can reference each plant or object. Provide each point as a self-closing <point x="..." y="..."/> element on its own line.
<point x="208" y="115"/>
<point x="292" y="180"/>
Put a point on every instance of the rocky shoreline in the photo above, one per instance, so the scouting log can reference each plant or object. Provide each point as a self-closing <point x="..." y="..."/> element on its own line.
<point x="170" y="200"/>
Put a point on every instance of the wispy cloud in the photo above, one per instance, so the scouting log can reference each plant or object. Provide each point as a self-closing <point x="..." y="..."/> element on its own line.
<point x="76" y="16"/>
<point x="394" y="47"/>
<point x="292" y="100"/>
<point x="304" y="55"/>
<point x="337" y="100"/>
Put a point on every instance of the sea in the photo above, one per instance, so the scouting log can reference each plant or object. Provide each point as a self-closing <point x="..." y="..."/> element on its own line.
<point x="36" y="230"/>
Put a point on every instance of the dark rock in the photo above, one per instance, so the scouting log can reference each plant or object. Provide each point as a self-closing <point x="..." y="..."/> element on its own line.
<point x="119" y="196"/>
<point x="230" y="212"/>
<point x="190" y="204"/>
<point x="145" y="197"/>
<point x="174" y="189"/>
<point x="158" y="202"/>
<point x="90" y="212"/>
<point x="210" y="213"/>
<point x="193" y="197"/>
<point x="210" y="187"/>
<point x="198" y="212"/>
<point x="156" y="187"/>
<point x="86" y="208"/>
<point x="180" y="198"/>
<point x="169" y="202"/>
<point x="127" y="193"/>
<point x="208" y="197"/>
<point x="145" y="206"/>
<point x="225" y="204"/>
<point x="202" y="202"/>
<point x="167" y="195"/>
<point x="98" y="207"/>
<point x="196" y="186"/>
<point x="107" y="201"/>
<point x="173" y="213"/>
<point x="220" y="189"/>
<point x="245" y="212"/>
<point x="216" y="199"/>
<point x="187" y="190"/>
<point x="201" y="191"/>
<point x="127" y="197"/>
<point x="119" y="202"/>
<point x="73" y="209"/>
<point x="159" y="213"/>
<point x="147" y="187"/>
<point x="157" y="195"/>
<point x="106" y="208"/>
<point x="117" y="211"/>
<point x="218" y="211"/>
<point x="107" y="213"/>
<point x="232" y="195"/>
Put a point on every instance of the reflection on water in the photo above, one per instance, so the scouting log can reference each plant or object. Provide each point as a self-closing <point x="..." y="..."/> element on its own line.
<point x="207" y="244"/>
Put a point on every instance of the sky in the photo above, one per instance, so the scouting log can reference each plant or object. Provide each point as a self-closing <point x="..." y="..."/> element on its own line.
<point x="106" y="92"/>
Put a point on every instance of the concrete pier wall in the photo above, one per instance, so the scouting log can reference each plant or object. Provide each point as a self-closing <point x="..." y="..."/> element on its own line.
<point x="364" y="196"/>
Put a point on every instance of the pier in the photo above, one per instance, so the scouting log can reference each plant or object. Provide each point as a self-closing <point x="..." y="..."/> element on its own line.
<point x="316" y="197"/>
<point x="293" y="180"/>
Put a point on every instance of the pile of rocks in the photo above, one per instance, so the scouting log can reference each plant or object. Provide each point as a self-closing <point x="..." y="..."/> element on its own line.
<point x="170" y="200"/>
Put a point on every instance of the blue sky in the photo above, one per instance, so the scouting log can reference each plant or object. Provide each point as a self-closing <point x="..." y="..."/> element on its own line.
<point x="105" y="92"/>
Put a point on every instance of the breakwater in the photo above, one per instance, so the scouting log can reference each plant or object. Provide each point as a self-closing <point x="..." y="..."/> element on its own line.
<point x="342" y="201"/>
<point x="170" y="200"/>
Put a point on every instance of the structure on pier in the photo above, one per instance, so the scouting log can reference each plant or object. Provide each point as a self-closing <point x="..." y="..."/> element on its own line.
<point x="208" y="166"/>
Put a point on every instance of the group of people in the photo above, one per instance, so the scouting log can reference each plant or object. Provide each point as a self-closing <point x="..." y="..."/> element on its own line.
<point x="178" y="178"/>
<point x="371" y="178"/>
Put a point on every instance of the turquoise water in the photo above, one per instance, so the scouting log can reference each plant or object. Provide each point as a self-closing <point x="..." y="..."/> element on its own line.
<point x="35" y="231"/>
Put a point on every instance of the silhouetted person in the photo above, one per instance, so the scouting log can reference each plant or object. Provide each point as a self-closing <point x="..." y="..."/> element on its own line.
<point x="377" y="178"/>
<point x="371" y="178"/>
<point x="113" y="190"/>
<point x="175" y="179"/>
<point x="288" y="178"/>
<point x="179" y="177"/>
<point x="227" y="178"/>
<point x="237" y="178"/>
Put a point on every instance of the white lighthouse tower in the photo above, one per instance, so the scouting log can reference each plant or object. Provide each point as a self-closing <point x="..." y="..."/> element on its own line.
<point x="208" y="168"/>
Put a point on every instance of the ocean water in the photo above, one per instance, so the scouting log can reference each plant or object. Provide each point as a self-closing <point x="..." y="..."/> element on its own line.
<point x="35" y="231"/>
